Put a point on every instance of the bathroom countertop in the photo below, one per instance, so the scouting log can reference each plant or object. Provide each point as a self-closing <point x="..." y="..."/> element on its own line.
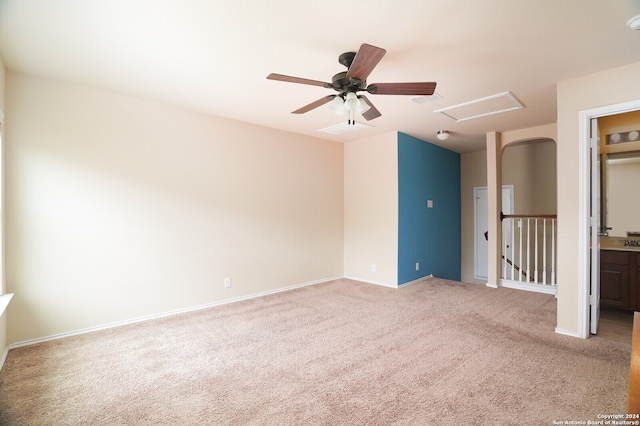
<point x="618" y="243"/>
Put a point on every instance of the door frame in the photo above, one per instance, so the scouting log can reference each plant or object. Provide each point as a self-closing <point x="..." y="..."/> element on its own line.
<point x="584" y="199"/>
<point x="594" y="301"/>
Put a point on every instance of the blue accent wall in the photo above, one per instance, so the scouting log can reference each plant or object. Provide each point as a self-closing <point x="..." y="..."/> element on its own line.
<point x="430" y="236"/>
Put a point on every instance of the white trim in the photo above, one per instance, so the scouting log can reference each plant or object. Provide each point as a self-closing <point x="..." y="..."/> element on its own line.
<point x="492" y="285"/>
<point x="419" y="280"/>
<point x="584" y="221"/>
<point x="584" y="168"/>
<point x="4" y="357"/>
<point x="390" y="285"/>
<point x="166" y="314"/>
<point x="4" y="302"/>
<point x="372" y="282"/>
<point x="566" y="333"/>
<point x="538" y="288"/>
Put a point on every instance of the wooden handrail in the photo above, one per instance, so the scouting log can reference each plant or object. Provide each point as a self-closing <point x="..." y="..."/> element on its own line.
<point x="527" y="216"/>
<point x="524" y="274"/>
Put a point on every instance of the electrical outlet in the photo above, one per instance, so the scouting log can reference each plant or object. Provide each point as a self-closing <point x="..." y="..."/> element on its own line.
<point x="417" y="266"/>
<point x="373" y="267"/>
<point x="227" y="282"/>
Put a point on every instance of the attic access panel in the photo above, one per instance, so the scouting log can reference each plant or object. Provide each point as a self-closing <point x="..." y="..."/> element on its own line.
<point x="483" y="107"/>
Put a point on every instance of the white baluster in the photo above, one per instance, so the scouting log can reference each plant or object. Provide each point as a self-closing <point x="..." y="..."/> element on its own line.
<point x="553" y="252"/>
<point x="535" y="251"/>
<point x="504" y="249"/>
<point x="520" y="251"/>
<point x="513" y="243"/>
<point x="528" y="251"/>
<point x="544" y="251"/>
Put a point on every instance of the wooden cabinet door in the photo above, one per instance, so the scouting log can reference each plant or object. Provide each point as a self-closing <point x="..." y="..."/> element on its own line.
<point x="635" y="280"/>
<point x="614" y="280"/>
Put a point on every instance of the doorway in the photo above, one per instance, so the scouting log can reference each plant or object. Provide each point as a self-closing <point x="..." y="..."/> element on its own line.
<point x="481" y="224"/>
<point x="588" y="290"/>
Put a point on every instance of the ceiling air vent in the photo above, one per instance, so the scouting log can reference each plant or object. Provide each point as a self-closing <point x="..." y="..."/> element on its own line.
<point x="425" y="99"/>
<point x="342" y="128"/>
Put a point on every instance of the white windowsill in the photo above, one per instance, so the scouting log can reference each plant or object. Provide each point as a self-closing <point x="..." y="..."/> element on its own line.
<point x="4" y="302"/>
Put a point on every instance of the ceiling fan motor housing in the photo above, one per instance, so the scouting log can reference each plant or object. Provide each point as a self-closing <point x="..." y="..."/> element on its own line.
<point x="346" y="59"/>
<point x="343" y="85"/>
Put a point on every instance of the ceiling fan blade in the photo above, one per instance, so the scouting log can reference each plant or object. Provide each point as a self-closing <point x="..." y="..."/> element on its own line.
<point x="372" y="112"/>
<point x="289" y="79"/>
<point x="314" y="105"/>
<point x="365" y="61"/>
<point x="402" y="88"/>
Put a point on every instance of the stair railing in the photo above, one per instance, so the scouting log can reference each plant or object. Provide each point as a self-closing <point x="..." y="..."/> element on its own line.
<point x="531" y="239"/>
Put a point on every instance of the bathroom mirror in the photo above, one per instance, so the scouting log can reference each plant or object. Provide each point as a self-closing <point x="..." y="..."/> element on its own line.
<point x="620" y="193"/>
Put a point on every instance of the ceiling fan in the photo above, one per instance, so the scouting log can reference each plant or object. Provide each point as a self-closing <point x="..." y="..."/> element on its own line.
<point x="349" y="83"/>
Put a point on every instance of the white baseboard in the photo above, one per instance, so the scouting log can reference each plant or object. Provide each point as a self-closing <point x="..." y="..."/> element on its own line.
<point x="372" y="282"/>
<point x="387" y="284"/>
<point x="419" y="280"/>
<point x="162" y="315"/>
<point x="538" y="288"/>
<point x="567" y="333"/>
<point x="4" y="357"/>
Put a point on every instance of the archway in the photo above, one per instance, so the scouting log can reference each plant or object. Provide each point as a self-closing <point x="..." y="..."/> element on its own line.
<point x="496" y="142"/>
<point x="528" y="245"/>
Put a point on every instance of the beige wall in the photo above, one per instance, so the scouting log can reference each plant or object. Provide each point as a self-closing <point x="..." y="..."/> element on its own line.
<point x="130" y="208"/>
<point x="3" y="318"/>
<point x="473" y="172"/>
<point x="531" y="168"/>
<point x="119" y="208"/>
<point x="371" y="209"/>
<point x="601" y="89"/>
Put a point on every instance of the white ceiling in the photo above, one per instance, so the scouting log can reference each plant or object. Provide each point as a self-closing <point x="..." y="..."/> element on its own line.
<point x="214" y="55"/>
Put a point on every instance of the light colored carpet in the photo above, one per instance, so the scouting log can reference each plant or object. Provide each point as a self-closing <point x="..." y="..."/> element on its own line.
<point x="338" y="353"/>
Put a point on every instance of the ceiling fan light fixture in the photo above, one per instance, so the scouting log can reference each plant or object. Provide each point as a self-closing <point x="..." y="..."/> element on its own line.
<point x="337" y="105"/>
<point x="363" y="106"/>
<point x="351" y="102"/>
<point x="442" y="135"/>
<point x="634" y="23"/>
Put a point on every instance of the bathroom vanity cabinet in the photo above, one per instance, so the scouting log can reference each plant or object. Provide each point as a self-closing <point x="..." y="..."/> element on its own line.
<point x="620" y="279"/>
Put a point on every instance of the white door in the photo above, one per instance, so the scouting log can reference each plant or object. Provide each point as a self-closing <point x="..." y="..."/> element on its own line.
<point x="595" y="227"/>
<point x="481" y="225"/>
